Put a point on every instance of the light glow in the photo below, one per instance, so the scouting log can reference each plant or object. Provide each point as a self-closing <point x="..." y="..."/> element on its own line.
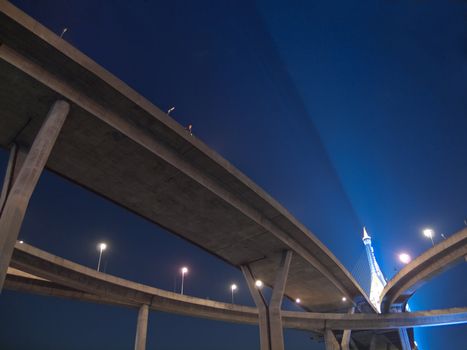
<point x="259" y="283"/>
<point x="428" y="232"/>
<point x="344" y="299"/>
<point x="404" y="258"/>
<point x="298" y="301"/>
<point x="184" y="270"/>
<point x="102" y="246"/>
<point x="233" y="287"/>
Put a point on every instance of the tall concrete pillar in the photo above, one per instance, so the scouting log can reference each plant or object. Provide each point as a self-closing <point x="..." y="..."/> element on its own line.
<point x="17" y="156"/>
<point x="275" y="304"/>
<point x="260" y="302"/>
<point x="330" y="340"/>
<point x="270" y="318"/>
<point x="404" y="337"/>
<point x="23" y="186"/>
<point x="142" y="328"/>
<point x="345" y="342"/>
<point x="8" y="180"/>
<point x="373" y="342"/>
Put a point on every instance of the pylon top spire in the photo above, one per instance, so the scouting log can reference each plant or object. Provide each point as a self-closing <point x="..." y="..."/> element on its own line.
<point x="377" y="279"/>
<point x="365" y="234"/>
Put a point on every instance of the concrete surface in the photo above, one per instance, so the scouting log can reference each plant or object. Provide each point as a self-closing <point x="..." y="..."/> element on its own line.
<point x="56" y="276"/>
<point x="405" y="283"/>
<point x="120" y="146"/>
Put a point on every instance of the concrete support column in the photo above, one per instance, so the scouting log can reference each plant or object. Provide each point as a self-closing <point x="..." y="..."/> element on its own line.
<point x="8" y="180"/>
<point x="270" y="318"/>
<point x="22" y="188"/>
<point x="404" y="337"/>
<point x="345" y="342"/>
<point x="142" y="328"/>
<point x="17" y="156"/>
<point x="330" y="340"/>
<point x="373" y="342"/>
<point x="260" y="302"/>
<point x="275" y="304"/>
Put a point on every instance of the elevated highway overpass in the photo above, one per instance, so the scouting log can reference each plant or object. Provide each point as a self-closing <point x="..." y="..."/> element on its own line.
<point x="434" y="261"/>
<point x="36" y="271"/>
<point x="117" y="144"/>
<point x="63" y="112"/>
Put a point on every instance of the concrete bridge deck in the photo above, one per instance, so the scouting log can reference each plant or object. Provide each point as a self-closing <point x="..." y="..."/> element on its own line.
<point x="426" y="266"/>
<point x="117" y="144"/>
<point x="36" y="271"/>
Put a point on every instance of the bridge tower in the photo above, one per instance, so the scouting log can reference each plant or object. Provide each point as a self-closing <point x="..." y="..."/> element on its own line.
<point x="377" y="279"/>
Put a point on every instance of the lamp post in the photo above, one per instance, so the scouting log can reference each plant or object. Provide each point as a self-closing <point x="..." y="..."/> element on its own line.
<point x="184" y="271"/>
<point x="63" y="32"/>
<point x="429" y="233"/>
<point x="101" y="246"/>
<point x="233" y="288"/>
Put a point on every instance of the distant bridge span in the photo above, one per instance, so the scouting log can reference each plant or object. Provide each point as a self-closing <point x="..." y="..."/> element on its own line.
<point x="434" y="261"/>
<point x="36" y="271"/>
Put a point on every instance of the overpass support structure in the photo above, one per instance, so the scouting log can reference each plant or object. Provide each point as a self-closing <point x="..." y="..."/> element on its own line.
<point x="330" y="340"/>
<point x="142" y="327"/>
<point x="17" y="190"/>
<point x="269" y="314"/>
<point x="345" y="342"/>
<point x="404" y="337"/>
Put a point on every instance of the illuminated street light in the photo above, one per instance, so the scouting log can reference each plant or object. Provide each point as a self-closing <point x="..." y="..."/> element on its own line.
<point x="233" y="288"/>
<point x="184" y="271"/>
<point x="404" y="258"/>
<point x="101" y="246"/>
<point x="21" y="242"/>
<point x="344" y="299"/>
<point x="298" y="301"/>
<point x="429" y="233"/>
<point x="259" y="283"/>
<point x="63" y="32"/>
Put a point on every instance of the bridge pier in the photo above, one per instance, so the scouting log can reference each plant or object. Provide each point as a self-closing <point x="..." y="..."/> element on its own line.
<point x="404" y="337"/>
<point x="142" y="327"/>
<point x="330" y="340"/>
<point x="270" y="317"/>
<point x="17" y="156"/>
<point x="345" y="342"/>
<point x="18" y="190"/>
<point x="8" y="180"/>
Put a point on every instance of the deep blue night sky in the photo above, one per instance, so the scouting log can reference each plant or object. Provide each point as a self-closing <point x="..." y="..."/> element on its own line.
<point x="348" y="114"/>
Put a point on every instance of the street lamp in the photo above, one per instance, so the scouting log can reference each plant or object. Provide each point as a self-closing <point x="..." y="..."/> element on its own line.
<point x="404" y="258"/>
<point x="63" y="32"/>
<point x="429" y="233"/>
<point x="184" y="271"/>
<point x="298" y="301"/>
<point x="259" y="283"/>
<point x="344" y="299"/>
<point x="233" y="288"/>
<point x="101" y="246"/>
